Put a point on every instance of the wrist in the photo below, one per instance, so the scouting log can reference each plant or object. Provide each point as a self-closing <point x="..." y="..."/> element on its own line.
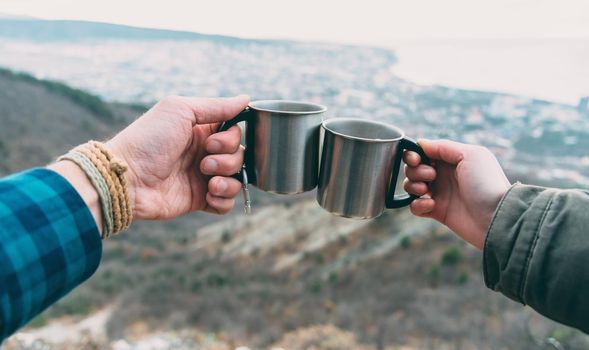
<point x="80" y="182"/>
<point x="105" y="172"/>
<point x="487" y="216"/>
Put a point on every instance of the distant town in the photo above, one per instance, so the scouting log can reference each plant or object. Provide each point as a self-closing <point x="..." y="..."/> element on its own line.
<point x="291" y="275"/>
<point x="535" y="140"/>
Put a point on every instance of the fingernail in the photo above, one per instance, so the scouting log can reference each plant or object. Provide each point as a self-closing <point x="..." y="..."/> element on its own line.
<point x="210" y="165"/>
<point x="221" y="186"/>
<point x="214" y="146"/>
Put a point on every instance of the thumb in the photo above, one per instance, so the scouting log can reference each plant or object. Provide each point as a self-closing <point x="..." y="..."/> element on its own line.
<point x="214" y="110"/>
<point x="445" y="150"/>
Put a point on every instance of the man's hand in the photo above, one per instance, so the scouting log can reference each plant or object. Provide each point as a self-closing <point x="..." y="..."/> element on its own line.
<point x="177" y="162"/>
<point x="465" y="182"/>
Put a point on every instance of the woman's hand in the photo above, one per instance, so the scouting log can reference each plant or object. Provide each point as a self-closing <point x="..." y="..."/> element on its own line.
<point x="465" y="183"/>
<point x="177" y="162"/>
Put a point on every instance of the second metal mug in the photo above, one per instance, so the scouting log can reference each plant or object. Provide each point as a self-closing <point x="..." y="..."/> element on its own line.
<point x="282" y="142"/>
<point x="360" y="164"/>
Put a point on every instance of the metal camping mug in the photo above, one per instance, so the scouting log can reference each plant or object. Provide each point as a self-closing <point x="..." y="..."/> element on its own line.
<point x="360" y="164"/>
<point x="282" y="143"/>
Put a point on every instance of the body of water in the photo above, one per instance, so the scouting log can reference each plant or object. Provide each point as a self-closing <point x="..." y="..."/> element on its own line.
<point x="551" y="69"/>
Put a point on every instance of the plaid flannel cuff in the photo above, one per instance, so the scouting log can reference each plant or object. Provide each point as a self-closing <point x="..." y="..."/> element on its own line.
<point x="49" y="244"/>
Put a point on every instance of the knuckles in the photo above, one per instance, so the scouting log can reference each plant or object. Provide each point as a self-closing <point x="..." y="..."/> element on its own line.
<point x="172" y="100"/>
<point x="481" y="150"/>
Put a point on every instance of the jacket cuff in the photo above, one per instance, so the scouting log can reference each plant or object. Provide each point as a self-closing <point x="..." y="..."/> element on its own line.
<point x="509" y="244"/>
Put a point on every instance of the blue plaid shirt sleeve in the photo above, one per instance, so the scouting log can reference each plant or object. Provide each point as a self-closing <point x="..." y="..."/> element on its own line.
<point x="49" y="244"/>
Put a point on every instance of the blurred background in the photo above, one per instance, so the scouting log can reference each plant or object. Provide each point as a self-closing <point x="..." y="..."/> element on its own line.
<point x="509" y="74"/>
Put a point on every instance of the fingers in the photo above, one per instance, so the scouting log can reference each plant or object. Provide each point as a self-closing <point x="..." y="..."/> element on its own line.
<point x="420" y="173"/>
<point x="218" y="205"/>
<point x="221" y="195"/>
<point x="411" y="158"/>
<point x="225" y="141"/>
<point x="213" y="110"/>
<point x="417" y="174"/>
<point x="416" y="188"/>
<point x="222" y="164"/>
<point x="226" y="159"/>
<point x="448" y="151"/>
<point x="224" y="187"/>
<point x="422" y="206"/>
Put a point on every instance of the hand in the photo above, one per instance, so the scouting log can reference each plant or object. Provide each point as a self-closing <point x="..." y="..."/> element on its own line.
<point x="177" y="162"/>
<point x="465" y="183"/>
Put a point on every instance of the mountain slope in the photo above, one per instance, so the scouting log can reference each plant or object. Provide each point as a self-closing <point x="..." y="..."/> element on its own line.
<point x="70" y="30"/>
<point x="41" y="119"/>
<point x="395" y="282"/>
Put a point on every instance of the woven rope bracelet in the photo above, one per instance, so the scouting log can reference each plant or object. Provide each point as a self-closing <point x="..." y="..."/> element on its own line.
<point x="102" y="166"/>
<point x="118" y="170"/>
<point x="106" y="174"/>
<point x="99" y="184"/>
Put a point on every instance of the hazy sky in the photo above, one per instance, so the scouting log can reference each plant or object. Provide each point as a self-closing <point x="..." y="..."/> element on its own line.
<point x="364" y="21"/>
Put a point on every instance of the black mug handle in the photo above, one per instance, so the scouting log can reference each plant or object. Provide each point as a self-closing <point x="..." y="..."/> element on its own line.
<point x="247" y="116"/>
<point x="403" y="200"/>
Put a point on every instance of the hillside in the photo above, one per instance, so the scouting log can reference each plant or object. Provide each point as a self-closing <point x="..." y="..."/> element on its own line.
<point x="202" y="281"/>
<point x="41" y="119"/>
<point x="69" y="30"/>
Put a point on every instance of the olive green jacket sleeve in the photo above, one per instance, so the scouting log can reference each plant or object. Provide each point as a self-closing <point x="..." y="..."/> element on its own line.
<point x="537" y="252"/>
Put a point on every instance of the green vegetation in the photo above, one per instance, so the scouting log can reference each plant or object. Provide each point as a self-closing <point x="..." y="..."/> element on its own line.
<point x="332" y="277"/>
<point x="91" y="102"/>
<point x="226" y="236"/>
<point x="405" y="242"/>
<point x="315" y="287"/>
<point x="196" y="286"/>
<point x="150" y="276"/>
<point x="111" y="282"/>
<point x="38" y="322"/>
<point x="319" y="258"/>
<point x="316" y="257"/>
<point x="216" y="280"/>
<point x="462" y="278"/>
<point x="563" y="335"/>
<point x="451" y="256"/>
<point x="77" y="303"/>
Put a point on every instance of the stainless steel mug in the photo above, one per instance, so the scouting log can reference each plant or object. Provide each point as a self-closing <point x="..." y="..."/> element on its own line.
<point x="360" y="164"/>
<point x="282" y="144"/>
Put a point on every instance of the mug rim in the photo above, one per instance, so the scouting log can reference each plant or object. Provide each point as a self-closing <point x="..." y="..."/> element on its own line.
<point x="364" y="139"/>
<point x="319" y="108"/>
